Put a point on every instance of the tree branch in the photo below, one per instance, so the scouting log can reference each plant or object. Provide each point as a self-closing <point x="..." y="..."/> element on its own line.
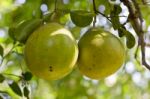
<point x="148" y="45"/>
<point x="141" y="39"/>
<point x="138" y="10"/>
<point x="136" y="21"/>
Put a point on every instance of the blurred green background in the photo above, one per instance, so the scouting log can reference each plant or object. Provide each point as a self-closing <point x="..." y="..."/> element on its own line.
<point x="132" y="81"/>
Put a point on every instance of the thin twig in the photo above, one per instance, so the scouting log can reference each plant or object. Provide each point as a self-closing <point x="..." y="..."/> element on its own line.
<point x="136" y="54"/>
<point x="136" y="51"/>
<point x="94" y="22"/>
<point x="12" y="75"/>
<point x="4" y="92"/>
<point x="104" y="16"/>
<point x="7" y="54"/>
<point x="117" y="16"/>
<point x="55" y="5"/>
<point x="95" y="11"/>
<point x="98" y="12"/>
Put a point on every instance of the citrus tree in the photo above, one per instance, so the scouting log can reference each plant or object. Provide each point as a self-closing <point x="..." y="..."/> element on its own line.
<point x="74" y="49"/>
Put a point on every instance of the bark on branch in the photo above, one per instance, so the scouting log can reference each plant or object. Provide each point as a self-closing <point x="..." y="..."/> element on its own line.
<point x="136" y="20"/>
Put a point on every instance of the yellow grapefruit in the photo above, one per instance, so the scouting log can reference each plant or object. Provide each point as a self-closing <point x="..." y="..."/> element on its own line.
<point x="51" y="52"/>
<point x="100" y="54"/>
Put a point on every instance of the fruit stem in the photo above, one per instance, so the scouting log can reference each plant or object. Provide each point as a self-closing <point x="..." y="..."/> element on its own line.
<point x="12" y="75"/>
<point x="94" y="22"/>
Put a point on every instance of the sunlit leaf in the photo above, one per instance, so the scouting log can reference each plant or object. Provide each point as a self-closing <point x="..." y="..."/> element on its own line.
<point x="24" y="29"/>
<point x="145" y="10"/>
<point x="26" y="11"/>
<point x="115" y="16"/>
<point x="130" y="39"/>
<point x="5" y="20"/>
<point x="104" y="3"/>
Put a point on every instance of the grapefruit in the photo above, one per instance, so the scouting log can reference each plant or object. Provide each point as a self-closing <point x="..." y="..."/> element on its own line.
<point x="101" y="54"/>
<point x="51" y="52"/>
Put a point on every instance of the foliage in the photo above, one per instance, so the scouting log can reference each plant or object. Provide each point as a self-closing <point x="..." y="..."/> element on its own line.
<point x="124" y="18"/>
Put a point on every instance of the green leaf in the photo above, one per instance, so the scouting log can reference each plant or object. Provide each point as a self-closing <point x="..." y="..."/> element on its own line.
<point x="5" y="20"/>
<point x="26" y="92"/>
<point x="30" y="9"/>
<point x="145" y="10"/>
<point x="115" y="16"/>
<point x="115" y="22"/>
<point x="130" y="42"/>
<point x="2" y="78"/>
<point x="1" y="50"/>
<point x="117" y="9"/>
<point x="104" y="3"/>
<point x="121" y="32"/>
<point x="27" y="76"/>
<point x="11" y="32"/>
<point x="15" y="87"/>
<point x="24" y="29"/>
<point x="81" y="18"/>
<point x="1" y="97"/>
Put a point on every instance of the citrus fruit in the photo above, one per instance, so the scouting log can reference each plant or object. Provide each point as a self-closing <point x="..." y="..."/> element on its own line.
<point x="100" y="54"/>
<point x="51" y="52"/>
<point x="81" y="18"/>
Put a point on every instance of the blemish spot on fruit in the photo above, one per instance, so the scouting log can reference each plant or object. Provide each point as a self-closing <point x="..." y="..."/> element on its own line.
<point x="50" y="68"/>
